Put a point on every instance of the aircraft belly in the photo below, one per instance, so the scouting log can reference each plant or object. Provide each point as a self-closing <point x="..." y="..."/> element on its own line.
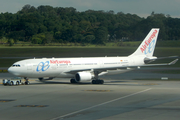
<point x="65" y="75"/>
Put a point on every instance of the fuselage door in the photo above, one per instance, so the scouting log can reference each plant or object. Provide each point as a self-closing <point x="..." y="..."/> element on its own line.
<point x="101" y="64"/>
<point x="29" y="66"/>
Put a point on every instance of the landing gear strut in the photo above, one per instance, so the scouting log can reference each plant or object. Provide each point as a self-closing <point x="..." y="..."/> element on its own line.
<point x="26" y="81"/>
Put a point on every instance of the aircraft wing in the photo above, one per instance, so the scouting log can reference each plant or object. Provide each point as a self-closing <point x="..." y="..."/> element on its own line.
<point x="123" y="67"/>
<point x="99" y="70"/>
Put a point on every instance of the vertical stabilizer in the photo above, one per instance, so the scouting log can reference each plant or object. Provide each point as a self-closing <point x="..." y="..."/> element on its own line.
<point x="148" y="45"/>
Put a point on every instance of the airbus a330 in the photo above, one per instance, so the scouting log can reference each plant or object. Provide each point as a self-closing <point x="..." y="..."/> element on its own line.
<point x="89" y="68"/>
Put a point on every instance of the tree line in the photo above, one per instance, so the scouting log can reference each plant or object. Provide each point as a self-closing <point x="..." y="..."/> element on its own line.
<point x="46" y="24"/>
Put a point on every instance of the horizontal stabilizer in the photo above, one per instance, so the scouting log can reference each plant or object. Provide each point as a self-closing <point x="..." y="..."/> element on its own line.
<point x="168" y="57"/>
<point x="151" y="59"/>
<point x="171" y="63"/>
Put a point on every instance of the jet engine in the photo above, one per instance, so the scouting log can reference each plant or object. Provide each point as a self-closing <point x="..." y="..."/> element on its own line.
<point x="83" y="76"/>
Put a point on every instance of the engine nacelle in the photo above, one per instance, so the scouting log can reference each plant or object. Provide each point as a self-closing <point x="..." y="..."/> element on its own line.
<point x="83" y="76"/>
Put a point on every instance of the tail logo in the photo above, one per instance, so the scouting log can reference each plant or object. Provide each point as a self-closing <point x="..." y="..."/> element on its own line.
<point x="150" y="48"/>
<point x="150" y="43"/>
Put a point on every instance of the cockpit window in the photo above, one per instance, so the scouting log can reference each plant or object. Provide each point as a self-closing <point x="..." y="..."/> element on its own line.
<point x="16" y="65"/>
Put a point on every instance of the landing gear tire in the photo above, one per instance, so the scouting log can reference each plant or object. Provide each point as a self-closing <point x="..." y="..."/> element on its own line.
<point x="40" y="79"/>
<point x="97" y="81"/>
<point x="73" y="81"/>
<point x="11" y="83"/>
<point x="17" y="83"/>
<point x="27" y="83"/>
<point x="102" y="82"/>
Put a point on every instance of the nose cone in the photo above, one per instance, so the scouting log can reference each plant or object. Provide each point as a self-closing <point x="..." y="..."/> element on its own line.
<point x="13" y="71"/>
<point x="10" y="70"/>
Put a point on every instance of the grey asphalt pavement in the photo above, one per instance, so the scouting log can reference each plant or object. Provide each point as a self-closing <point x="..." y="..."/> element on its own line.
<point x="117" y="98"/>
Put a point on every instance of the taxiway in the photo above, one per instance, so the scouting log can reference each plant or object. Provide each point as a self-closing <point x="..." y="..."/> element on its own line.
<point x="115" y="99"/>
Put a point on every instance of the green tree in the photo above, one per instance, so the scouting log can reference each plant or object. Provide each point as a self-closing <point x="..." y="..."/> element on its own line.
<point x="38" y="38"/>
<point x="89" y="39"/>
<point x="78" y="38"/>
<point x="48" y="38"/>
<point x="57" y="35"/>
<point x="85" y="25"/>
<point x="68" y="25"/>
<point x="10" y="42"/>
<point x="101" y="35"/>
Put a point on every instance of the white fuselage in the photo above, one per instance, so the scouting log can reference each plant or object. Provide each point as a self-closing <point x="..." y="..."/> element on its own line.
<point x="57" y="67"/>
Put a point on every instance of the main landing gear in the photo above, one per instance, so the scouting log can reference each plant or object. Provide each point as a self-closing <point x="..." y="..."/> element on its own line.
<point x="73" y="81"/>
<point x="98" y="81"/>
<point x="26" y="81"/>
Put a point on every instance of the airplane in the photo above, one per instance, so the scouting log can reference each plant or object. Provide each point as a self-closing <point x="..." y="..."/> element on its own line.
<point x="88" y="68"/>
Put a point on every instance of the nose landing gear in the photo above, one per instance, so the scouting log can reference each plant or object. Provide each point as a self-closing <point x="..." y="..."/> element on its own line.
<point x="26" y="81"/>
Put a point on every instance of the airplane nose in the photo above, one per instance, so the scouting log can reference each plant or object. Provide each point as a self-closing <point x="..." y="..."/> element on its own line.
<point x="14" y="71"/>
<point x="10" y="70"/>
